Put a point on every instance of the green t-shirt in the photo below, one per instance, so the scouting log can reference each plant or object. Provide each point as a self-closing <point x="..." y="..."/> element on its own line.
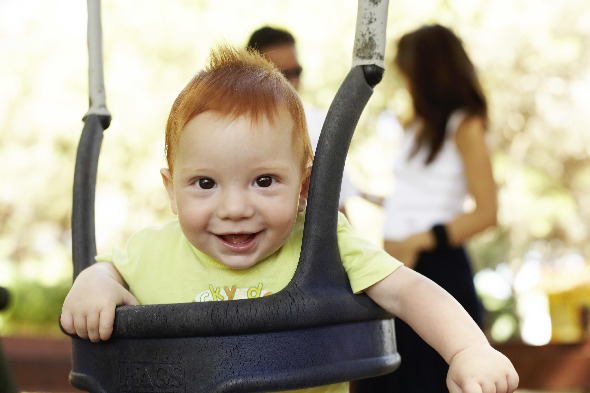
<point x="160" y="266"/>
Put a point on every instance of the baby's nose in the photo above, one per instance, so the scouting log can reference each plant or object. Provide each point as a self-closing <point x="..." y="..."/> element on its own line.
<point x="235" y="205"/>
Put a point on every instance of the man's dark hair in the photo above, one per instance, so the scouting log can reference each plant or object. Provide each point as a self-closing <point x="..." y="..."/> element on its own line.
<point x="267" y="36"/>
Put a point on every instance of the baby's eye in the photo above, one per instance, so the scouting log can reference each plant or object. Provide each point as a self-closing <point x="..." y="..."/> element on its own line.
<point x="205" y="183"/>
<point x="264" y="181"/>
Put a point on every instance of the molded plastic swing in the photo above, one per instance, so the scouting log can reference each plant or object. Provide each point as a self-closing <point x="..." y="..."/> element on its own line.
<point x="314" y="332"/>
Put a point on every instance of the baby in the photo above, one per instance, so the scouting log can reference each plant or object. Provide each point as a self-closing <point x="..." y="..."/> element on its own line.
<point x="239" y="160"/>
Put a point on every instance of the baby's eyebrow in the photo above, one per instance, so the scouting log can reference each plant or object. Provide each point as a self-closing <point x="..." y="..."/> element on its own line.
<point x="193" y="169"/>
<point x="272" y="168"/>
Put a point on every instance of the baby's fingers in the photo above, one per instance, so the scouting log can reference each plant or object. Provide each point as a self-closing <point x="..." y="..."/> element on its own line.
<point x="67" y="322"/>
<point x="502" y="386"/>
<point x="129" y="299"/>
<point x="80" y="327"/>
<point x="466" y="388"/>
<point x="471" y="387"/>
<point x="107" y="316"/>
<point x="105" y="327"/>
<point x="508" y="385"/>
<point x="512" y="381"/>
<point x="92" y="321"/>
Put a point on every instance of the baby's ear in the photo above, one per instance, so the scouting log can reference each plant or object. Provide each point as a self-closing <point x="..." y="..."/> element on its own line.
<point x="169" y="185"/>
<point x="304" y="193"/>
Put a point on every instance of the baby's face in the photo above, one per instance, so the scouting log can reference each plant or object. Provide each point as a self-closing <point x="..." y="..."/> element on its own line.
<point x="237" y="186"/>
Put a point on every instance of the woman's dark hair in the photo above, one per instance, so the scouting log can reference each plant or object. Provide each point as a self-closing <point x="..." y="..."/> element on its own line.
<point x="441" y="79"/>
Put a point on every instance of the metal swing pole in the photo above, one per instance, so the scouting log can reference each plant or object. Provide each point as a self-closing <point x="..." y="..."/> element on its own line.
<point x="96" y="120"/>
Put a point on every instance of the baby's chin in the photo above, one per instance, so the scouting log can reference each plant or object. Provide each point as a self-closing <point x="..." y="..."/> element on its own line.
<point x="241" y="262"/>
<point x="235" y="263"/>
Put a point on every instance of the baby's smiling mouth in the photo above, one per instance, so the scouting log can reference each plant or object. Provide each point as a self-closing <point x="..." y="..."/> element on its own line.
<point x="239" y="242"/>
<point x="237" y="238"/>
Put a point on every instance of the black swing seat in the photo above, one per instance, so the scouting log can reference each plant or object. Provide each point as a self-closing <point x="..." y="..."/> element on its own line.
<point x="312" y="333"/>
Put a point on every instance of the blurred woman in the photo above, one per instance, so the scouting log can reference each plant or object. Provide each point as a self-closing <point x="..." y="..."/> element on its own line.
<point x="442" y="159"/>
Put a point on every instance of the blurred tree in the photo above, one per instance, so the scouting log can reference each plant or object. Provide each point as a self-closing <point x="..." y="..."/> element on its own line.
<point x="539" y="78"/>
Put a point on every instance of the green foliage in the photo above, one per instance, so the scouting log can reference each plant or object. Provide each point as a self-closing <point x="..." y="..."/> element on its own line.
<point x="34" y="308"/>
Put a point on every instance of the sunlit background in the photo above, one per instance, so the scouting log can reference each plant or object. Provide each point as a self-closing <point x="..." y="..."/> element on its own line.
<point x="533" y="58"/>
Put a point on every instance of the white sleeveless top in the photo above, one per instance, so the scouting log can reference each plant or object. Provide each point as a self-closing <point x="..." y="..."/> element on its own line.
<point x="426" y="195"/>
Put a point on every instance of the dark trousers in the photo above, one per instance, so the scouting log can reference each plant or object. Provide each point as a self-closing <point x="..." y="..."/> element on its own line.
<point x="422" y="369"/>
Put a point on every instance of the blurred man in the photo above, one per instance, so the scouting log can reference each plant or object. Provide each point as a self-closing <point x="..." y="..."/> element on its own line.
<point x="278" y="46"/>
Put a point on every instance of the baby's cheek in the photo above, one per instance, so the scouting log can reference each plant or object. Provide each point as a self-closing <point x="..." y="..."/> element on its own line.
<point x="284" y="224"/>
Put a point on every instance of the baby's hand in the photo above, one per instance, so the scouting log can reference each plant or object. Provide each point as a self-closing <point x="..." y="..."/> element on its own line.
<point x="89" y="308"/>
<point x="481" y="369"/>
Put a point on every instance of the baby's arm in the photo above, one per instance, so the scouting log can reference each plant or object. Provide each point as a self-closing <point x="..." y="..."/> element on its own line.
<point x="89" y="308"/>
<point x="474" y="366"/>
